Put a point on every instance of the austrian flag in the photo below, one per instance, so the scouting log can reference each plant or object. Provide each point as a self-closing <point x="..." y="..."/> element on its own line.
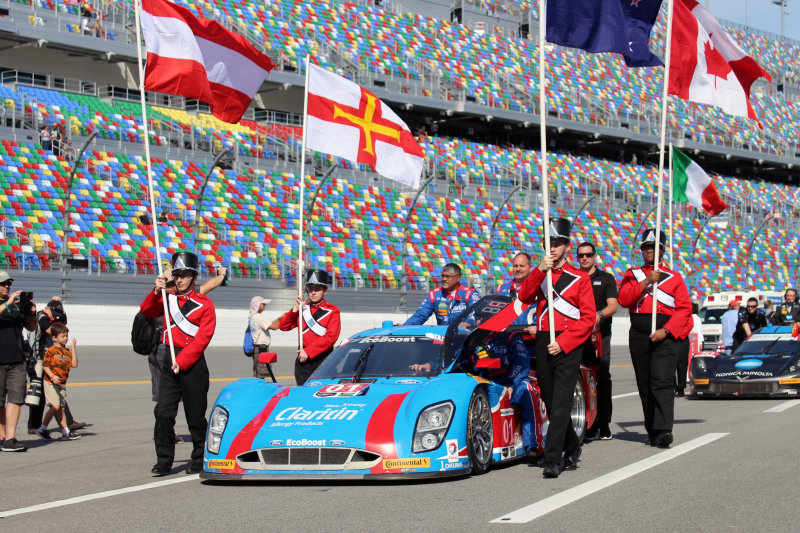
<point x="198" y="58"/>
<point x="350" y="122"/>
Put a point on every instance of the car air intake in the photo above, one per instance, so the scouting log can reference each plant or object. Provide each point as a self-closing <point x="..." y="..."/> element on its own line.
<point x="308" y="458"/>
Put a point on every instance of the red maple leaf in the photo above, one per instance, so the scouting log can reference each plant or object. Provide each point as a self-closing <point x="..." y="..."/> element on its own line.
<point x="716" y="65"/>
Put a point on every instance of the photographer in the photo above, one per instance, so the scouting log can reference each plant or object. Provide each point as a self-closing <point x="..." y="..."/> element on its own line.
<point x="17" y="310"/>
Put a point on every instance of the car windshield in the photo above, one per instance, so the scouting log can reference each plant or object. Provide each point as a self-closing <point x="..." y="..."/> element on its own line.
<point x="711" y="315"/>
<point x="768" y="344"/>
<point x="384" y="356"/>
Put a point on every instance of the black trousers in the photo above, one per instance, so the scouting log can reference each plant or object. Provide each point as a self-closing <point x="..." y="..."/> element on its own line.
<point x="557" y="376"/>
<point x="682" y="365"/>
<point x="603" y="365"/>
<point x="302" y="371"/>
<point x="654" y="366"/>
<point x="191" y="386"/>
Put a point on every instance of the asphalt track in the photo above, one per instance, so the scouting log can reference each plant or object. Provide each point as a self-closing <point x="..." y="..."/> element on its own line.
<point x="732" y="467"/>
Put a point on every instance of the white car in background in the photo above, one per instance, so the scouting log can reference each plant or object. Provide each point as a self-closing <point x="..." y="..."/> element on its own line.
<point x="715" y="305"/>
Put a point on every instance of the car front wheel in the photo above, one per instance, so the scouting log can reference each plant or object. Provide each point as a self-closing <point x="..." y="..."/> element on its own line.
<point x="479" y="432"/>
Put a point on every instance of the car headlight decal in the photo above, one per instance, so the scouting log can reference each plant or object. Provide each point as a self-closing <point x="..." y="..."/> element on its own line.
<point x="432" y="425"/>
<point x="216" y="427"/>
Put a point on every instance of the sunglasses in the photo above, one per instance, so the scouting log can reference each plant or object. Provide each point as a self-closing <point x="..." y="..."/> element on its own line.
<point x="6" y="284"/>
<point x="752" y="306"/>
<point x="581" y="256"/>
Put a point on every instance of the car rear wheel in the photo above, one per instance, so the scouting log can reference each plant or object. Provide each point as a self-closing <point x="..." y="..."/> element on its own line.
<point x="579" y="410"/>
<point x="479" y="432"/>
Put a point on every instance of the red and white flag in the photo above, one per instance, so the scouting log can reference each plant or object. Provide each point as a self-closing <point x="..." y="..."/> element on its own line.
<point x="350" y="122"/>
<point x="198" y="58"/>
<point x="707" y="66"/>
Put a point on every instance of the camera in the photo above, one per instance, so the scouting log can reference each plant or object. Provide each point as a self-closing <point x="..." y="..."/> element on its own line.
<point x="26" y="303"/>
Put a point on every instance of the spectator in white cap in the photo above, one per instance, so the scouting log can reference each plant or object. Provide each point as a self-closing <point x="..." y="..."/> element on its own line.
<point x="259" y="328"/>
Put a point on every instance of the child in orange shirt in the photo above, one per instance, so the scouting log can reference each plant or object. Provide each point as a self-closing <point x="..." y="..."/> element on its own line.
<point x="57" y="362"/>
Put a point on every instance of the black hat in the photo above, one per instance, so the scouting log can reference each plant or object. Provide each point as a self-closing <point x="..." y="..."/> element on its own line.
<point x="559" y="230"/>
<point x="185" y="261"/>
<point x="55" y="305"/>
<point x="316" y="276"/>
<point x="649" y="238"/>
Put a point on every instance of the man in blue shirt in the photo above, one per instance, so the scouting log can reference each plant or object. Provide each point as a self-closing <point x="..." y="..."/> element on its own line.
<point x="730" y="319"/>
<point x="447" y="301"/>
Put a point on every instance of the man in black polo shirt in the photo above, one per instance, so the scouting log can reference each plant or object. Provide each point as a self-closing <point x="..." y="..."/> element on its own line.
<point x="604" y="287"/>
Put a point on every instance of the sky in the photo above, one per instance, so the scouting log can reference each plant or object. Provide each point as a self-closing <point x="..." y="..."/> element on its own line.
<point x="760" y="14"/>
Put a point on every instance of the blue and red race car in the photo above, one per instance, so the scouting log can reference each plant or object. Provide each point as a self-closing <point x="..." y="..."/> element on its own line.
<point x="389" y="403"/>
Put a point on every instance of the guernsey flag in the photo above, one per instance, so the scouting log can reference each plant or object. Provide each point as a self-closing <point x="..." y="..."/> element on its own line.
<point x="691" y="184"/>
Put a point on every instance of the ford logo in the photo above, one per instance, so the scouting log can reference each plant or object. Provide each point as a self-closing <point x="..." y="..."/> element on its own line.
<point x="749" y="364"/>
<point x="276" y="443"/>
<point x="336" y="442"/>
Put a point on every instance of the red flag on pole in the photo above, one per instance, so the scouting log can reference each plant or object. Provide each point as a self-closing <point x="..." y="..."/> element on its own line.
<point x="707" y="65"/>
<point x="198" y="58"/>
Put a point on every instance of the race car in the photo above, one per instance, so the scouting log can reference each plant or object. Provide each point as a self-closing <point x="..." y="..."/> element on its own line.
<point x="766" y="364"/>
<point x="395" y="402"/>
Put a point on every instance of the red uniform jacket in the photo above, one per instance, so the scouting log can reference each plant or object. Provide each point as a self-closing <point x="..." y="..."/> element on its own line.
<point x="574" y="311"/>
<point x="322" y="325"/>
<point x="673" y="297"/>
<point x="192" y="320"/>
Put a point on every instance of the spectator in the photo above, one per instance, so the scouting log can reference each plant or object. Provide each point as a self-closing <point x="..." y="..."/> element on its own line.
<point x="16" y="312"/>
<point x="769" y="310"/>
<point x="58" y="360"/>
<point x="45" y="137"/>
<point x="259" y="329"/>
<point x="55" y="140"/>
<point x="729" y="321"/>
<point x="86" y="18"/>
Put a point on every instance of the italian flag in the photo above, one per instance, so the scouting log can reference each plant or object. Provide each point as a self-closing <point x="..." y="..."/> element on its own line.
<point x="690" y="183"/>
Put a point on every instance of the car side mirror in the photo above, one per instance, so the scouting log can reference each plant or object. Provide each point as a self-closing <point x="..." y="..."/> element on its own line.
<point x="267" y="358"/>
<point x="489" y="363"/>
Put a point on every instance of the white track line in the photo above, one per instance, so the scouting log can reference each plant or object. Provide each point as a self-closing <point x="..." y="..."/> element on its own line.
<point x="625" y="395"/>
<point x="97" y="496"/>
<point x="781" y="407"/>
<point x="535" y="510"/>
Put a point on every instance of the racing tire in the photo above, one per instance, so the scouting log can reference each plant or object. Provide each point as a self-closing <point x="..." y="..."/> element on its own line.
<point x="578" y="413"/>
<point x="480" y="433"/>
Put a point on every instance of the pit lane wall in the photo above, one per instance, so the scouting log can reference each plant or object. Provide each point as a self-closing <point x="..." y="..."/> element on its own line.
<point x="94" y="325"/>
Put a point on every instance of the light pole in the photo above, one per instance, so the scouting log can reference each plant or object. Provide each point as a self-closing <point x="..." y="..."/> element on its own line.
<point x="782" y="4"/>
<point x="403" y="276"/>
<point x="65" y="223"/>
<point x="767" y="220"/>
<point x="196" y="225"/>
<point x="494" y="224"/>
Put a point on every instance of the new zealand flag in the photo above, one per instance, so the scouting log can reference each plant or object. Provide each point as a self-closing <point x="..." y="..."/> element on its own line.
<point x="621" y="26"/>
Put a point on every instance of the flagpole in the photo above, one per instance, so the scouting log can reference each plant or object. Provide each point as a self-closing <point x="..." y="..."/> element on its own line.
<point x="671" y="219"/>
<point x="657" y="250"/>
<point x="545" y="184"/>
<point x="149" y="168"/>
<point x="302" y="208"/>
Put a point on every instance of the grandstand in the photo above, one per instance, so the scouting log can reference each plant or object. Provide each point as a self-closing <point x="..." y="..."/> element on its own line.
<point x="470" y="75"/>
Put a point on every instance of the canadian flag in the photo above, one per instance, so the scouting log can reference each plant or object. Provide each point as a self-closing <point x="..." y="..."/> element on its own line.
<point x="350" y="122"/>
<point x="198" y="58"/>
<point x="707" y="66"/>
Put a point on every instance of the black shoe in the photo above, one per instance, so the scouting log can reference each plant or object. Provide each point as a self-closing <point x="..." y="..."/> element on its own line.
<point x="571" y="459"/>
<point x="664" y="439"/>
<point x="195" y="468"/>
<point x="161" y="469"/>
<point x="605" y="433"/>
<point x="592" y="434"/>
<point x="11" y="445"/>
<point x="553" y="471"/>
<point x="533" y="457"/>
